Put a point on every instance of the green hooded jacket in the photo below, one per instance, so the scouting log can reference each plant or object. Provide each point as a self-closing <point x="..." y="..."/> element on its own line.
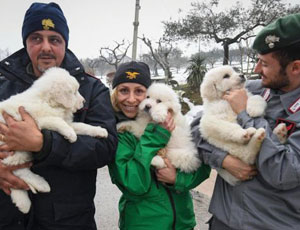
<point x="147" y="204"/>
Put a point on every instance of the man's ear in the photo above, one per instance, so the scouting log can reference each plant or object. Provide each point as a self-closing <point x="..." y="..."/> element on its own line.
<point x="296" y="67"/>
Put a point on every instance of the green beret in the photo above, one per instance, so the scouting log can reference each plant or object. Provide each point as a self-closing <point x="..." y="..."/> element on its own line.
<point x="279" y="34"/>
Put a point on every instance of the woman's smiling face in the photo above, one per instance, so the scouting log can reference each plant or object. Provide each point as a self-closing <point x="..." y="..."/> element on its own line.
<point x="129" y="96"/>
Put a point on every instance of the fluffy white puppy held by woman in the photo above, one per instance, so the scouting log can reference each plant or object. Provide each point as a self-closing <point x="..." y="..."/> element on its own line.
<point x="180" y="150"/>
<point x="51" y="101"/>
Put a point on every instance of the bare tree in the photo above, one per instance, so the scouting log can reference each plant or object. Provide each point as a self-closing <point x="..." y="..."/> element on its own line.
<point x="96" y="66"/>
<point x="148" y="59"/>
<point x="114" y="56"/>
<point x="227" y="27"/>
<point x="212" y="57"/>
<point x="161" y="54"/>
<point x="176" y="59"/>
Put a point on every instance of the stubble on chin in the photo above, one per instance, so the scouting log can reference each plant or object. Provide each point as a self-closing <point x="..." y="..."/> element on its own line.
<point x="43" y="69"/>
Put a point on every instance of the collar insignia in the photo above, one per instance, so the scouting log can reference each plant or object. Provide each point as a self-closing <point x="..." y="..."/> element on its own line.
<point x="266" y="94"/>
<point x="270" y="40"/>
<point x="132" y="75"/>
<point x="47" y="24"/>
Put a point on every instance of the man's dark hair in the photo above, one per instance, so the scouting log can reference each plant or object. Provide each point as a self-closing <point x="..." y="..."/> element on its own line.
<point x="287" y="55"/>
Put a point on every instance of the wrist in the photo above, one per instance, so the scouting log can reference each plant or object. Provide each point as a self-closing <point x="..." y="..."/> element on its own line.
<point x="39" y="142"/>
<point x="46" y="146"/>
<point x="226" y="161"/>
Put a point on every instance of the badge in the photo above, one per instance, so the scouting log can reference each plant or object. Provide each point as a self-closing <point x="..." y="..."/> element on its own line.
<point x="295" y="107"/>
<point x="290" y="125"/>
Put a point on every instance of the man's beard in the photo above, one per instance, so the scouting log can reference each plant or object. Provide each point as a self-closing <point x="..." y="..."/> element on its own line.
<point x="41" y="56"/>
<point x="279" y="82"/>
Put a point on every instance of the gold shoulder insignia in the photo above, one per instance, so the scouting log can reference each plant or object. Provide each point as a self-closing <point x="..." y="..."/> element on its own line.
<point x="132" y="75"/>
<point x="47" y="24"/>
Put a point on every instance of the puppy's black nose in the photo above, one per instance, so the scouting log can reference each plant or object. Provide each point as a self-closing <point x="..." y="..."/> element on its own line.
<point x="147" y="108"/>
<point x="243" y="78"/>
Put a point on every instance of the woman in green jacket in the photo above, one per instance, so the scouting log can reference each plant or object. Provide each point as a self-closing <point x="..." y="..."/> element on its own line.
<point x="146" y="203"/>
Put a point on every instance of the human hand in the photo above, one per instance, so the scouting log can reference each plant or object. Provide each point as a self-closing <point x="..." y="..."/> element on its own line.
<point x="21" y="135"/>
<point x="238" y="168"/>
<point x="237" y="99"/>
<point x="169" y="123"/>
<point x="167" y="174"/>
<point x="8" y="180"/>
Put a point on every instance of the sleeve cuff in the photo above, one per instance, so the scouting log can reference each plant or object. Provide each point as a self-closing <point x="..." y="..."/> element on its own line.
<point x="179" y="184"/>
<point x="218" y="161"/>
<point x="242" y="118"/>
<point x="47" y="145"/>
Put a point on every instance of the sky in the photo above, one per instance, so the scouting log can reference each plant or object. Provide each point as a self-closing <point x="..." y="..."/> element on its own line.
<point x="100" y="23"/>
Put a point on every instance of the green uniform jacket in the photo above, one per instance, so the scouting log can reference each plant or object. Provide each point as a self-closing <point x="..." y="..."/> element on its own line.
<point x="146" y="204"/>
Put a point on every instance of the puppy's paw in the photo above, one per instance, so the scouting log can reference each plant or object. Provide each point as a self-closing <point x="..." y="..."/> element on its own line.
<point x="124" y="126"/>
<point x="162" y="152"/>
<point x="21" y="200"/>
<point x="251" y="131"/>
<point x="158" y="162"/>
<point x="37" y="183"/>
<point x="101" y="132"/>
<point x="281" y="132"/>
<point x="260" y="134"/>
<point x="71" y="136"/>
<point x="243" y="136"/>
<point x="43" y="187"/>
<point x="24" y="205"/>
<point x="256" y="106"/>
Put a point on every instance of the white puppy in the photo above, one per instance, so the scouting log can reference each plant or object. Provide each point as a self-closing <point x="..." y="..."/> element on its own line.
<point x="180" y="150"/>
<point x="51" y="101"/>
<point x="219" y="124"/>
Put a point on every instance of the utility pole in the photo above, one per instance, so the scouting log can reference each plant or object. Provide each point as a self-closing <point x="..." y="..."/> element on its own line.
<point x="135" y="29"/>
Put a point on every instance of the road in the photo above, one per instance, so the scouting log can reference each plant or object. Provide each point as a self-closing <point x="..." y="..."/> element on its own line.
<point x="107" y="197"/>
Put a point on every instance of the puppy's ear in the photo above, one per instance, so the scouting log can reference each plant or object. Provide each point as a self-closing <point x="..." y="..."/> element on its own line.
<point x="208" y="90"/>
<point x="63" y="95"/>
<point x="175" y="108"/>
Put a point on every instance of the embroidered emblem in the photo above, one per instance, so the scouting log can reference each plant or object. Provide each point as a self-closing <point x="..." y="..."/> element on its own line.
<point x="47" y="24"/>
<point x="132" y="75"/>
<point x="290" y="125"/>
<point x="270" y="40"/>
<point x="295" y="107"/>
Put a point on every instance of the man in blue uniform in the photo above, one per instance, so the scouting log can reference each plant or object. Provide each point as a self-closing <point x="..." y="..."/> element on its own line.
<point x="70" y="169"/>
<point x="267" y="199"/>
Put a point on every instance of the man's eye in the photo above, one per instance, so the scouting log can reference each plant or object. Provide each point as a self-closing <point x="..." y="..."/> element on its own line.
<point x="55" y="40"/>
<point x="35" y="38"/>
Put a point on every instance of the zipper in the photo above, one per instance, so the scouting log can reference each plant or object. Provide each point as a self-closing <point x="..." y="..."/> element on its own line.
<point x="173" y="208"/>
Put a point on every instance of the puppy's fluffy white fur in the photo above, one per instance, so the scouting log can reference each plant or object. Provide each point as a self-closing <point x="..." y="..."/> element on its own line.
<point x="180" y="150"/>
<point x="219" y="124"/>
<point x="51" y="101"/>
